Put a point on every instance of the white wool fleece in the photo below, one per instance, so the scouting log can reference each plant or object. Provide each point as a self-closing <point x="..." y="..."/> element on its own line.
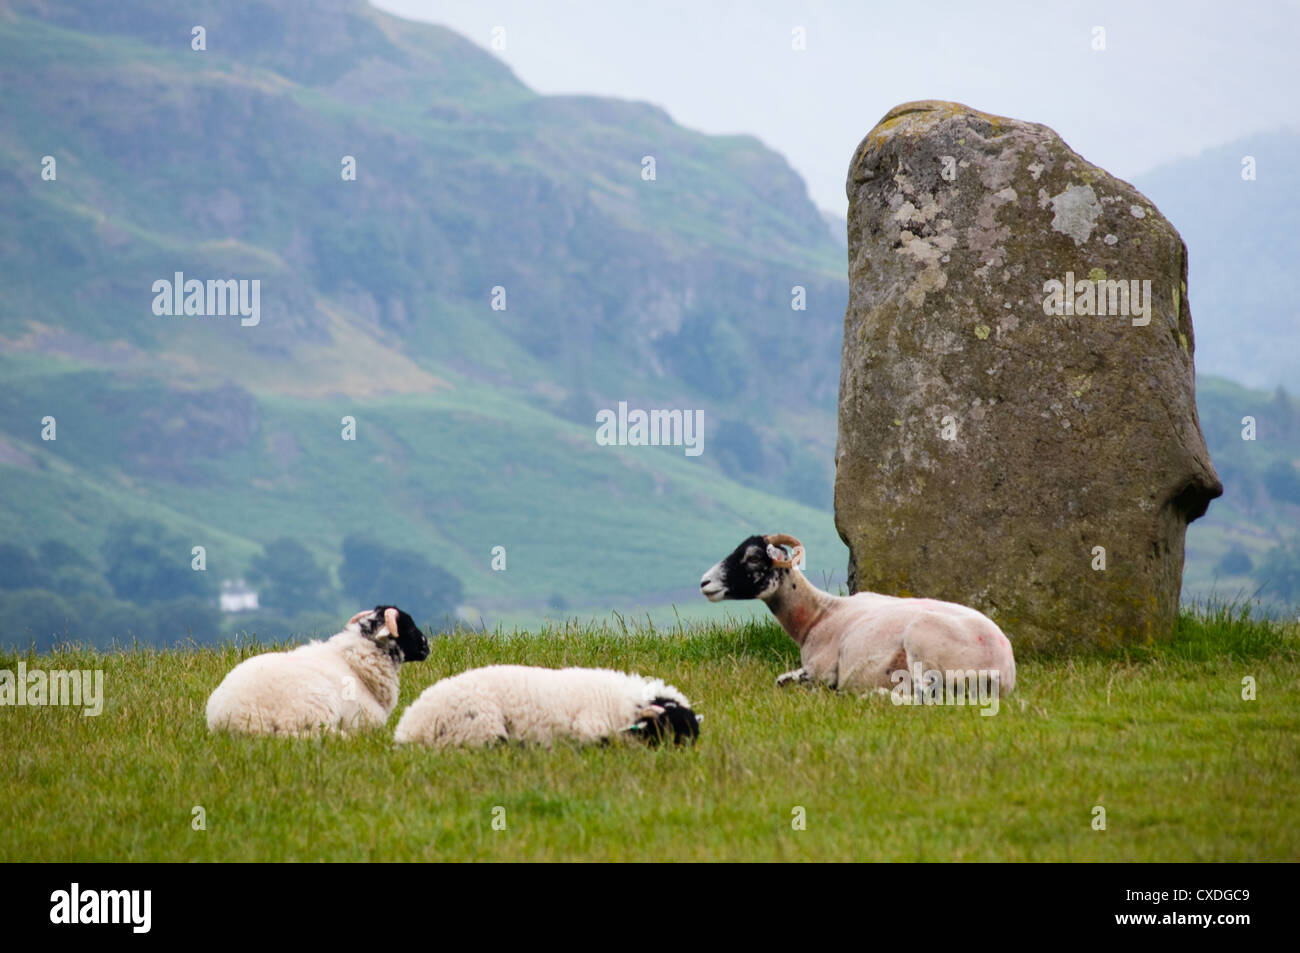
<point x="524" y="703"/>
<point x="345" y="682"/>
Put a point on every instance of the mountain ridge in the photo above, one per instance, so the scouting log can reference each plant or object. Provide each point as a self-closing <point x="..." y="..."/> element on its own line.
<point x="475" y="427"/>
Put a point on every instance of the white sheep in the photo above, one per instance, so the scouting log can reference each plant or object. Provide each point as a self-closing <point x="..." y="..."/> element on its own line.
<point x="543" y="705"/>
<point x="348" y="681"/>
<point x="859" y="642"/>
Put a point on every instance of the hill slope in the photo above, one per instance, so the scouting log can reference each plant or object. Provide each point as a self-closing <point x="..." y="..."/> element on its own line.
<point x="1242" y="247"/>
<point x="475" y="427"/>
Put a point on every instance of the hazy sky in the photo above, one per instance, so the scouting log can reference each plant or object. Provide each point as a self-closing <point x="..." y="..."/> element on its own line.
<point x="1174" y="79"/>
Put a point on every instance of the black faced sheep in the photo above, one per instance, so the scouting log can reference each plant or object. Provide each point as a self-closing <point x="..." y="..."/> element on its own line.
<point x="543" y="705"/>
<point x="858" y="643"/>
<point x="348" y="681"/>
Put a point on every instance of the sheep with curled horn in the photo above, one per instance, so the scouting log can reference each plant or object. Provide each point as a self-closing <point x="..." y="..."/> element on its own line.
<point x="858" y="643"/>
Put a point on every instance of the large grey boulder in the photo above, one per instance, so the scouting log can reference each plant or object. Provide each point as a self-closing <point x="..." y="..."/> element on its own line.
<point x="1004" y="442"/>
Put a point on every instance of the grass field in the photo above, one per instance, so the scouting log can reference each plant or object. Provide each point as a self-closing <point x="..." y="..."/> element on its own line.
<point x="1161" y="738"/>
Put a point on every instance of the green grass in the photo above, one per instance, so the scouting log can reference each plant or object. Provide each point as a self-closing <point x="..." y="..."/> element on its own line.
<point x="1160" y="737"/>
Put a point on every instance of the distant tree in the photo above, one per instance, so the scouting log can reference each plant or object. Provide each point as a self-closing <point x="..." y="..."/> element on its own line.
<point x="1282" y="412"/>
<point x="179" y="620"/>
<point x="1235" y="562"/>
<point x="374" y="575"/>
<point x="147" y="564"/>
<point x="729" y="362"/>
<point x="557" y="602"/>
<point x="288" y="576"/>
<point x="709" y="354"/>
<point x="69" y="571"/>
<point x="36" y="617"/>
<point x="70" y="581"/>
<point x="1279" y="571"/>
<point x="56" y="554"/>
<point x="47" y="618"/>
<point x="363" y="560"/>
<point x="271" y="627"/>
<point x="1282" y="481"/>
<point x="105" y="622"/>
<point x="19" y="569"/>
<point x="409" y="580"/>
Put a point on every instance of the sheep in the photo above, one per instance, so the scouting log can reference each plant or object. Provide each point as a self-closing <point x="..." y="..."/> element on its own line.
<point x="864" y="641"/>
<point x="523" y="703"/>
<point x="348" y="681"/>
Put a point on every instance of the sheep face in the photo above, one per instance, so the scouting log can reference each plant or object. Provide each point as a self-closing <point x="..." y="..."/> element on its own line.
<point x="664" y="720"/>
<point x="748" y="573"/>
<point x="408" y="639"/>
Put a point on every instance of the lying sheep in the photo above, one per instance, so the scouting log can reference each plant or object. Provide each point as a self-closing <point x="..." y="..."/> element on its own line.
<point x="349" y="681"/>
<point x="543" y="705"/>
<point x="858" y="643"/>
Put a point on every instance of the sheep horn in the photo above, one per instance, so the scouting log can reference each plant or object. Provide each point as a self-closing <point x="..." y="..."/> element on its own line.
<point x="355" y="618"/>
<point x="390" y="620"/>
<point x="796" y="550"/>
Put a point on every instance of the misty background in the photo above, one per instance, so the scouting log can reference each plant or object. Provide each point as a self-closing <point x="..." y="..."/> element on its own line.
<point x="1173" y="80"/>
<point x="474" y="489"/>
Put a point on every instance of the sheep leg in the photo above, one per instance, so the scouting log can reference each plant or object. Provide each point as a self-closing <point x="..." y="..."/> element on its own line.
<point x="798" y="676"/>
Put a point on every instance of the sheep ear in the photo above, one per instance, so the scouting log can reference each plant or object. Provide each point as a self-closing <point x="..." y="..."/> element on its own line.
<point x="779" y="558"/>
<point x="783" y="560"/>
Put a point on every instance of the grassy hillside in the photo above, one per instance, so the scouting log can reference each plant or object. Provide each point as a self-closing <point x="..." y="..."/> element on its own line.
<point x="1260" y="507"/>
<point x="593" y="524"/>
<point x="455" y="472"/>
<point x="475" y="427"/>
<point x="228" y="162"/>
<point x="1162" y="739"/>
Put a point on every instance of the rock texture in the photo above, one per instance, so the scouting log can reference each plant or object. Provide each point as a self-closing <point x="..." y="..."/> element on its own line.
<point x="1006" y="441"/>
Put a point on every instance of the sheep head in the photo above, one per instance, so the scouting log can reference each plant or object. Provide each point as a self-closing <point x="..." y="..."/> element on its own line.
<point x="665" y="719"/>
<point x="754" y="570"/>
<point x="390" y="625"/>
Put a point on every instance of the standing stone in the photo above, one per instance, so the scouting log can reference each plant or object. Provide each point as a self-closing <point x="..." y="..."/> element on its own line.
<point x="1003" y="436"/>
